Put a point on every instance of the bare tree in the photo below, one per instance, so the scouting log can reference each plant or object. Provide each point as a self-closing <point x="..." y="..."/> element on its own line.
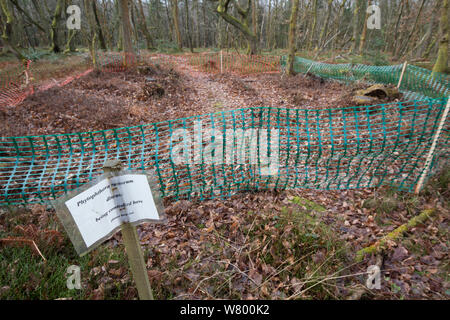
<point x="143" y="24"/>
<point x="98" y="26"/>
<point x="7" y="30"/>
<point x="126" y="27"/>
<point x="292" y="27"/>
<point x="175" y="23"/>
<point x="441" y="64"/>
<point x="241" y="24"/>
<point x="54" y="30"/>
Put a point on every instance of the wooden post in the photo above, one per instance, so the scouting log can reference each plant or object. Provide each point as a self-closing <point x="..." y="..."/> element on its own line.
<point x="136" y="261"/>
<point x="221" y="61"/>
<point x="27" y="68"/>
<point x="133" y="247"/>
<point x="433" y="146"/>
<point x="310" y="67"/>
<point x="402" y="74"/>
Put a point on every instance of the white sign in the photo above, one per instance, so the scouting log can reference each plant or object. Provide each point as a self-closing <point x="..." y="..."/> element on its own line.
<point x="100" y="209"/>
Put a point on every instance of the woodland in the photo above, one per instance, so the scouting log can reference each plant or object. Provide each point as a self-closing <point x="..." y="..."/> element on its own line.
<point x="358" y="91"/>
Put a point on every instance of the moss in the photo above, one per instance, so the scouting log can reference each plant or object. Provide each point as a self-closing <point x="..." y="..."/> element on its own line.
<point x="310" y="205"/>
<point x="394" y="235"/>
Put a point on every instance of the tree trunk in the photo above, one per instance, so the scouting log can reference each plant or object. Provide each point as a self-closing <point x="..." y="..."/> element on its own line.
<point x="394" y="39"/>
<point x="40" y="12"/>
<point x="303" y="40"/>
<point x="442" y="60"/>
<point x="188" y="27"/>
<point x="101" y="38"/>
<point x="38" y="25"/>
<point x="355" y="26"/>
<point x="175" y="23"/>
<point x="313" y="28"/>
<point x="118" y="26"/>
<point x="205" y="29"/>
<point x="126" y="26"/>
<point x="134" y="29"/>
<point x="362" y="41"/>
<point x="92" y="35"/>
<point x="269" y="25"/>
<point x="54" y="29"/>
<point x="197" y="23"/>
<point x="169" y="21"/>
<point x="338" y="22"/>
<point x="255" y="17"/>
<point x="70" y="45"/>
<point x="292" y="27"/>
<point x="324" y="31"/>
<point x="144" y="27"/>
<point x="103" y="16"/>
<point x="241" y="25"/>
<point x="7" y="30"/>
<point x="401" y="49"/>
<point x="433" y="24"/>
<point x="430" y="47"/>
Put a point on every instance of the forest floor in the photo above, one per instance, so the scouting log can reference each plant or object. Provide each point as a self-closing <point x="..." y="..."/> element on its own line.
<point x="265" y="245"/>
<point x="124" y="100"/>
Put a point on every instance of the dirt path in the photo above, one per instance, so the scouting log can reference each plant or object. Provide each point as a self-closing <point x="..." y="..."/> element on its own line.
<point x="210" y="94"/>
<point x="228" y="91"/>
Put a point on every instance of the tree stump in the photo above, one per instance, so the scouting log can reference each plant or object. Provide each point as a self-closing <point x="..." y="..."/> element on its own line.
<point x="152" y="89"/>
<point x="376" y="94"/>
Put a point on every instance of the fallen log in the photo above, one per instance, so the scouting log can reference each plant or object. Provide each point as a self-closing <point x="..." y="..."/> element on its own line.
<point x="394" y="235"/>
<point x="376" y="94"/>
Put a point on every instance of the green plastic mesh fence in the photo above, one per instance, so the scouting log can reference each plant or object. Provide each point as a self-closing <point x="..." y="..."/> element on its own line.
<point x="417" y="83"/>
<point x="217" y="155"/>
<point x="220" y="154"/>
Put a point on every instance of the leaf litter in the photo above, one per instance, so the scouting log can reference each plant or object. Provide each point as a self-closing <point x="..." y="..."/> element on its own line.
<point x="264" y="245"/>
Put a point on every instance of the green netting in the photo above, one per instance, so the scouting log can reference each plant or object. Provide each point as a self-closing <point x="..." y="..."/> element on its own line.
<point x="344" y="148"/>
<point x="417" y="83"/>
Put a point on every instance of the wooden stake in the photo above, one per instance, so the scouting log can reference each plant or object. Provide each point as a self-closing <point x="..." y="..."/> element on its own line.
<point x="221" y="61"/>
<point x="312" y="64"/>
<point x="402" y="74"/>
<point x="136" y="261"/>
<point x="433" y="146"/>
<point x="133" y="247"/>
